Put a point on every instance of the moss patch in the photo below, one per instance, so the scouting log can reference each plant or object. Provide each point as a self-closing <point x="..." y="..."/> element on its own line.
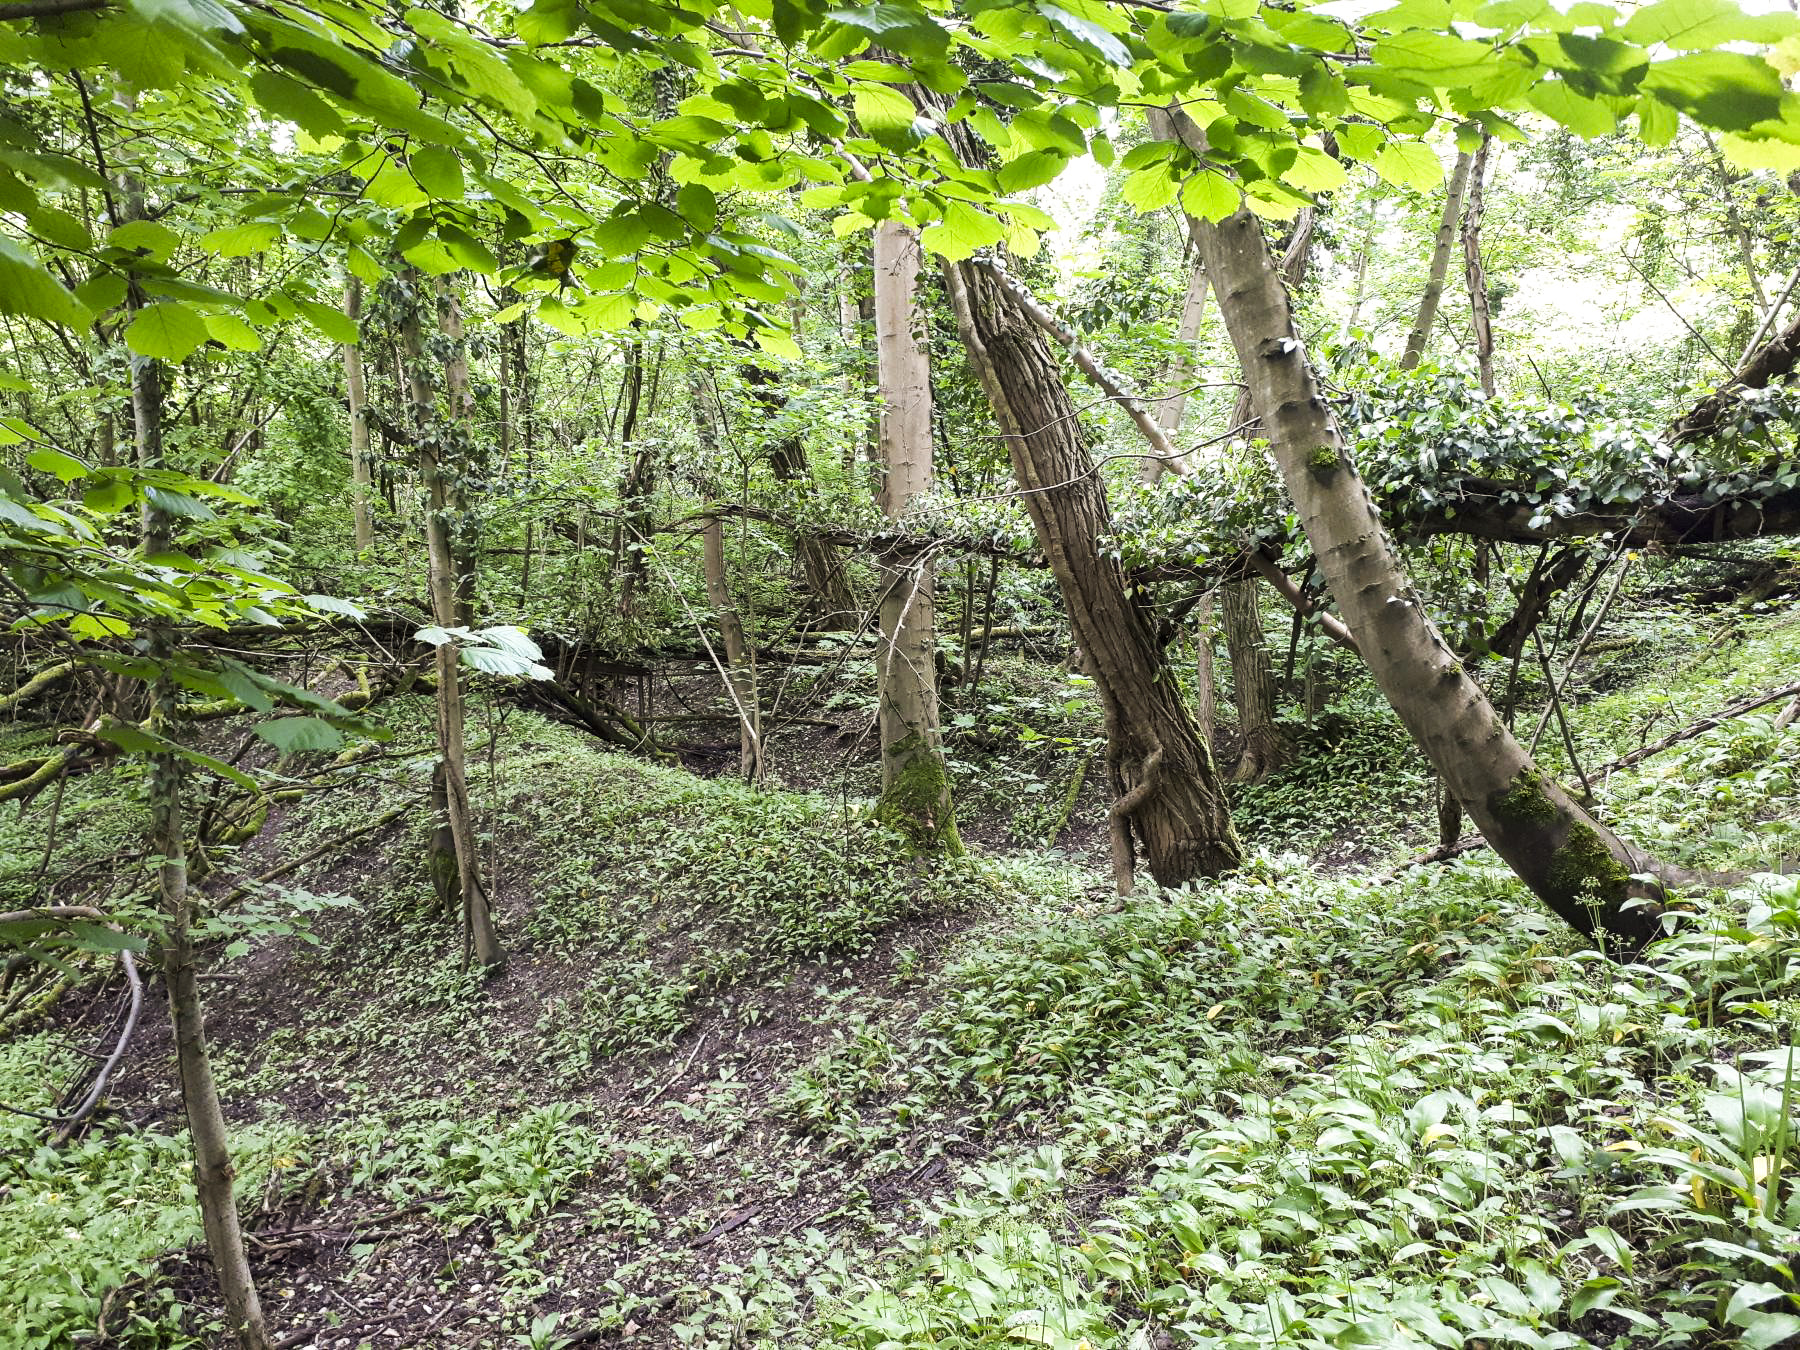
<point x="1584" y="865"/>
<point x="1524" y="800"/>
<point x="917" y="803"/>
<point x="1323" y="462"/>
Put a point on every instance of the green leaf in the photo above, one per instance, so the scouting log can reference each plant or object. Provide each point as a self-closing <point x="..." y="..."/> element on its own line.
<point x="232" y="332"/>
<point x="1582" y="115"/>
<point x="27" y="289"/>
<point x="108" y="496"/>
<point x="885" y="115"/>
<point x="1694" y="25"/>
<point x="240" y="241"/>
<point x="65" y="467"/>
<point x="1087" y="33"/>
<point x="331" y="321"/>
<point x="1410" y="164"/>
<point x="169" y="331"/>
<point x="439" y="172"/>
<point x="1151" y="188"/>
<point x="1732" y="91"/>
<point x="1209" y="195"/>
<point x="1032" y="169"/>
<point x="292" y="734"/>
<point x="145" y="237"/>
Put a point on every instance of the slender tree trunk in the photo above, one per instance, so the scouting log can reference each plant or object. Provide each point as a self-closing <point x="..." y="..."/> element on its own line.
<point x="455" y="468"/>
<point x="740" y="676"/>
<point x="1578" y="867"/>
<point x="1474" y="273"/>
<point x="1167" y="792"/>
<point x="1206" y="696"/>
<point x="357" y="394"/>
<point x="477" y="919"/>
<point x="1173" y="405"/>
<point x="915" y="785"/>
<point x="1359" y="283"/>
<point x="213" y="1172"/>
<point x="1440" y="264"/>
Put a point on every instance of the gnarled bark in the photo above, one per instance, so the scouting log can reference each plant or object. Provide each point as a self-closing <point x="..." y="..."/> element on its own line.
<point x="1180" y="818"/>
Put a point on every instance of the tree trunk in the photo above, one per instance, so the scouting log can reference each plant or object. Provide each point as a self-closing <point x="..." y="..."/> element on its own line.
<point x="441" y="575"/>
<point x="456" y="470"/>
<point x="1173" y="405"/>
<point x="1168" y="793"/>
<point x="1578" y="867"/>
<point x="1440" y="265"/>
<point x="1474" y="272"/>
<point x="1359" y="282"/>
<point x="1206" y="697"/>
<point x="915" y="785"/>
<point x="740" y="675"/>
<point x="213" y="1172"/>
<point x="1252" y="682"/>
<point x="357" y="394"/>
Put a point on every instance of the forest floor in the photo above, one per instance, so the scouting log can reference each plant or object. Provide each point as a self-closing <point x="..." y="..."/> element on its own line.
<point x="751" y="1075"/>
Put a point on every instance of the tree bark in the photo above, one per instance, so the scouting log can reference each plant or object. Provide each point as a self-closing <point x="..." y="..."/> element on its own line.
<point x="433" y="437"/>
<point x="740" y="675"/>
<point x="357" y="394"/>
<point x="1252" y="682"/>
<point x="1579" y="868"/>
<point x="1168" y="793"/>
<point x="460" y="398"/>
<point x="1440" y="264"/>
<point x="1474" y="273"/>
<point x="915" y="784"/>
<point x="1173" y="405"/>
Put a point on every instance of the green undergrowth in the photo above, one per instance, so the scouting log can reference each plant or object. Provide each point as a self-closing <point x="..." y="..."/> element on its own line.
<point x="628" y="893"/>
<point x="77" y="1222"/>
<point x="1292" y="1110"/>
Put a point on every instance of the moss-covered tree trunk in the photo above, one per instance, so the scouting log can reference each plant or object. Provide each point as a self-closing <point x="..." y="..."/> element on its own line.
<point x="915" y="787"/>
<point x="1168" y="797"/>
<point x="1578" y="867"/>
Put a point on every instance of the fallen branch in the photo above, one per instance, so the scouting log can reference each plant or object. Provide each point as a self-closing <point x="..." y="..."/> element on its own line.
<point x="39" y="682"/>
<point x="134" y="982"/>
<point x="243" y="888"/>
<point x="1701" y="727"/>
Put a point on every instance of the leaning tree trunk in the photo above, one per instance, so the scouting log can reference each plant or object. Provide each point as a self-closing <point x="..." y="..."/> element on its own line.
<point x="357" y="395"/>
<point x="1578" y="867"/>
<point x="1440" y="265"/>
<point x="1168" y="792"/>
<point x="213" y="1172"/>
<point x="441" y="576"/>
<point x="1252" y="673"/>
<point x="915" y="785"/>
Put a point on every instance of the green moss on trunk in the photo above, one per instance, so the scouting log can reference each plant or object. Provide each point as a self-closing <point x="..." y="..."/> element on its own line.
<point x="1584" y="869"/>
<point x="1524" y="801"/>
<point x="917" y="804"/>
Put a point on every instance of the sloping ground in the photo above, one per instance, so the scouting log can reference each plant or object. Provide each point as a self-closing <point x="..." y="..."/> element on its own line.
<point x="749" y="1077"/>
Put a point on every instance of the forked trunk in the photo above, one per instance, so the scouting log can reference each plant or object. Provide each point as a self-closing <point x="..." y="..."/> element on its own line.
<point x="1167" y="792"/>
<point x="1475" y="273"/>
<point x="1578" y="867"/>
<point x="915" y="785"/>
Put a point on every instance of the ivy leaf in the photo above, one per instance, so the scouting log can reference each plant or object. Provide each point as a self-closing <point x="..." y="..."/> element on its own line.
<point x="167" y="331"/>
